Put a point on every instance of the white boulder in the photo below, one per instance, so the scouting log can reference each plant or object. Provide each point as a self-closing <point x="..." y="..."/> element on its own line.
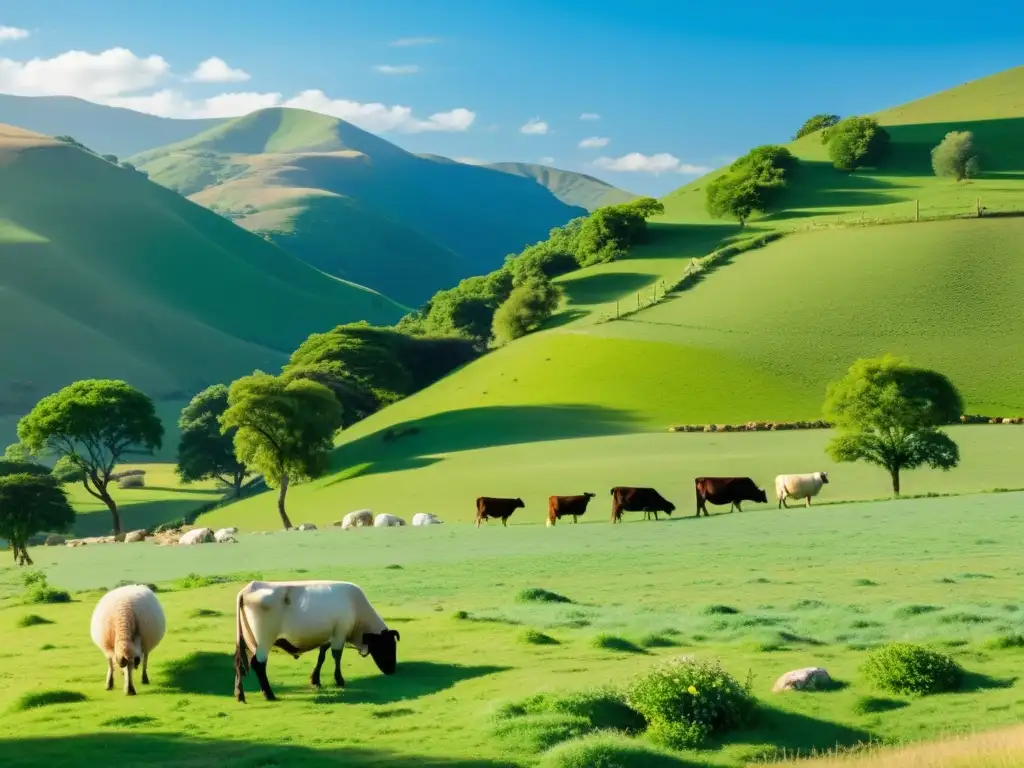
<point x="196" y="536"/>
<point x="425" y="518"/>
<point x="806" y="679"/>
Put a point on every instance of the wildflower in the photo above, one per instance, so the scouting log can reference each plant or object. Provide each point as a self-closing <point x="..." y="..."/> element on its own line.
<point x="692" y="691"/>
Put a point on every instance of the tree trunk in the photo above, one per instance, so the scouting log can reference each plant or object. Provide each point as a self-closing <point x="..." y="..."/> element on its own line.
<point x="239" y="479"/>
<point x="895" y="475"/>
<point x="112" y="506"/>
<point x="280" y="501"/>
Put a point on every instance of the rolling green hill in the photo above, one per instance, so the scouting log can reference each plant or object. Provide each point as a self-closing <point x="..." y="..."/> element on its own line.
<point x="571" y="188"/>
<point x="107" y="130"/>
<point x="105" y="274"/>
<point x="355" y="205"/>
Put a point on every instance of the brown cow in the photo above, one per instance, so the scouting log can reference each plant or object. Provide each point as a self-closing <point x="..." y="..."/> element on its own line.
<point x="727" y="490"/>
<point x="487" y="506"/>
<point x="646" y="500"/>
<point x="560" y="506"/>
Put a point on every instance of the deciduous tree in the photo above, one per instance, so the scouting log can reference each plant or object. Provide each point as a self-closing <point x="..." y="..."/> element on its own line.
<point x="856" y="142"/>
<point x="956" y="156"/>
<point x="204" y="451"/>
<point x="31" y="503"/>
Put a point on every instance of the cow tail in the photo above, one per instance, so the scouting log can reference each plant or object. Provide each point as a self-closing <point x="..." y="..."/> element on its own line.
<point x="241" y="649"/>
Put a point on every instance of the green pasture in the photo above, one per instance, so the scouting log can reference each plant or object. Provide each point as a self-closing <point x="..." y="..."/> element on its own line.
<point x="764" y="591"/>
<point x="523" y="452"/>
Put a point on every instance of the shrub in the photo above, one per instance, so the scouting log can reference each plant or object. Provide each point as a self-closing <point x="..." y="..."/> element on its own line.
<point x="535" y="733"/>
<point x="856" y="142"/>
<point x="817" y="123"/>
<point x="686" y="700"/>
<point x="656" y="640"/>
<point x="170" y="525"/>
<point x="46" y="698"/>
<point x="47" y="594"/>
<point x="526" y="308"/>
<point x="720" y="610"/>
<point x="536" y="637"/>
<point x="1004" y="642"/>
<point x="608" y="750"/>
<point x="132" y="481"/>
<point x="956" y="156"/>
<point x="195" y="581"/>
<point x="912" y="669"/>
<point x="605" y="642"/>
<point x="32" y="620"/>
<point x="751" y="183"/>
<point x="66" y="471"/>
<point x="603" y="708"/>
<point x="538" y="595"/>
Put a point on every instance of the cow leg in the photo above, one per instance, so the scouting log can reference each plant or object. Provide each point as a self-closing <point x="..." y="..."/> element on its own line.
<point x="260" y="668"/>
<point x="782" y="502"/>
<point x="338" y="679"/>
<point x="808" y="501"/>
<point x="575" y="519"/>
<point x="314" y="679"/>
<point x="655" y="515"/>
<point x="739" y="508"/>
<point x="145" y="669"/>
<point x="504" y="522"/>
<point x="478" y="521"/>
<point x="110" y="673"/>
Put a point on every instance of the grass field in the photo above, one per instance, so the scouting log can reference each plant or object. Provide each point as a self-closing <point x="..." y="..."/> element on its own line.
<point x="357" y="206"/>
<point x="807" y="587"/>
<point x="107" y="275"/>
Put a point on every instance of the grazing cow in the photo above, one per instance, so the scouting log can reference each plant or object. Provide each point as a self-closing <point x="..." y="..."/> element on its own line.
<point x="301" y="616"/>
<point x="799" y="487"/>
<point x="646" y="500"/>
<point x="487" y="506"/>
<point x="560" y="506"/>
<point x="727" y="490"/>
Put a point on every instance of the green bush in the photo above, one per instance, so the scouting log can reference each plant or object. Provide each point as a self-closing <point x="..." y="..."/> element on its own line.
<point x="956" y="156"/>
<point x="32" y="620"/>
<point x="535" y="733"/>
<point x="602" y="708"/>
<point x="529" y="305"/>
<point x="47" y="594"/>
<point x="536" y="637"/>
<point x="856" y="142"/>
<point x="686" y="700"/>
<point x="605" y="642"/>
<point x="538" y="595"/>
<point x="608" y="750"/>
<point x="751" y="183"/>
<point x="912" y="669"/>
<point x="820" y="122"/>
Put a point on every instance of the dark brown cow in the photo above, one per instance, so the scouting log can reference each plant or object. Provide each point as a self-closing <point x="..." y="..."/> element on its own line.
<point x="646" y="500"/>
<point x="486" y="507"/>
<point x="560" y="506"/>
<point x="727" y="490"/>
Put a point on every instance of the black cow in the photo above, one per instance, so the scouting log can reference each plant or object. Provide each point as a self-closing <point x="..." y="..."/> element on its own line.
<point x="646" y="500"/>
<point x="487" y="506"/>
<point x="727" y="490"/>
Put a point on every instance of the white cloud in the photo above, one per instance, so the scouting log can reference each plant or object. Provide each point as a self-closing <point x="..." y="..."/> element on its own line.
<point x="534" y="127"/>
<point x="216" y="70"/>
<point x="405" y="42"/>
<point x="636" y="162"/>
<point x="401" y="69"/>
<point x="594" y="142"/>
<point x="76" y="73"/>
<point x="377" y="117"/>
<point x="171" y="103"/>
<point x="546" y="160"/>
<point x="12" y="33"/>
<point x="590" y="116"/>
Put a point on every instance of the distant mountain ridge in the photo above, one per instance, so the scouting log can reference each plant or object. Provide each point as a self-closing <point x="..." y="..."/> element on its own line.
<point x="355" y="205"/>
<point x="570" y="187"/>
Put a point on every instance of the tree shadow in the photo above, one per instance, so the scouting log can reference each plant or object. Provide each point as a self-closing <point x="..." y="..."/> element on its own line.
<point x="974" y="682"/>
<point x="115" y="747"/>
<point x="564" y="317"/>
<point x="412" y="680"/>
<point x="142" y="514"/>
<point x="604" y="286"/>
<point x="796" y="734"/>
<point x="471" y="428"/>
<point x="203" y="672"/>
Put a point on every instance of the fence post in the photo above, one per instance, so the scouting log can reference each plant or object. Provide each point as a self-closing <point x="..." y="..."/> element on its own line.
<point x="616" y="309"/>
<point x="638" y="299"/>
<point x="979" y="207"/>
<point x="917" y="210"/>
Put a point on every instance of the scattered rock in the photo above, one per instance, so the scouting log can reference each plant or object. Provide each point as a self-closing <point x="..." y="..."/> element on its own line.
<point x="197" y="536"/>
<point x="806" y="679"/>
<point x="307" y="527"/>
<point x="133" y="536"/>
<point x="361" y="518"/>
<point x="55" y="540"/>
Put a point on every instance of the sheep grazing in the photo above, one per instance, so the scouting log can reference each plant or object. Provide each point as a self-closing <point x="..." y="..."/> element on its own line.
<point x="425" y="518"/>
<point x="300" y="616"/>
<point x="196" y="536"/>
<point x="225" y="535"/>
<point x="362" y="518"/>
<point x="799" y="487"/>
<point x="127" y="625"/>
<point x="387" y="521"/>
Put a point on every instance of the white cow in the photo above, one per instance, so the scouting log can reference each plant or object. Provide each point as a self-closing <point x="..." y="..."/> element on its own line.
<point x="300" y="616"/>
<point x="425" y="518"/>
<point x="799" y="487"/>
<point x="387" y="521"/>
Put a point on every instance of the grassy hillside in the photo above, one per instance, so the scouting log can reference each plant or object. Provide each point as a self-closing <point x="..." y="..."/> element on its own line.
<point x="357" y="206"/>
<point x="571" y="188"/>
<point x="106" y="274"/>
<point x="107" y="130"/>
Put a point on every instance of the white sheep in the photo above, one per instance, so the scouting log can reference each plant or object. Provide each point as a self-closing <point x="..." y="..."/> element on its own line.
<point x="362" y="518"/>
<point x="225" y="535"/>
<point x="127" y="625"/>
<point x="425" y="518"/>
<point x="196" y="536"/>
<point x="799" y="487"/>
<point x="387" y="521"/>
<point x="301" y="616"/>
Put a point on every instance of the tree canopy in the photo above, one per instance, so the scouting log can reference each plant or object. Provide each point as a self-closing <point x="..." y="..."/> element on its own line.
<point x="957" y="156"/>
<point x="888" y="413"/>
<point x="526" y="309"/>
<point x="820" y="122"/>
<point x="856" y="142"/>
<point x="94" y="423"/>
<point x="31" y="503"/>
<point x="752" y="183"/>
<point x="204" y="451"/>
<point x="284" y="429"/>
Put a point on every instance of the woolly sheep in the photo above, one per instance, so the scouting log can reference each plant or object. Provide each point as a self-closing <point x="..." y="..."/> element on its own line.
<point x="387" y="521"/>
<point x="197" y="536"/>
<point x="127" y="624"/>
<point x="224" y="535"/>
<point x="799" y="487"/>
<point x="425" y="518"/>
<point x="362" y="518"/>
<point x="300" y="616"/>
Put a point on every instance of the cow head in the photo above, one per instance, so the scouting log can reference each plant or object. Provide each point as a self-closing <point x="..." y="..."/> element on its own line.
<point x="824" y="477"/>
<point x="519" y="503"/>
<point x="669" y="507"/>
<point x="589" y="495"/>
<point x="383" y="647"/>
<point x="761" y="496"/>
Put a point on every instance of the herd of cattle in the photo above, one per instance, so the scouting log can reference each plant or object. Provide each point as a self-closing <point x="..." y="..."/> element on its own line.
<point x="717" y="490"/>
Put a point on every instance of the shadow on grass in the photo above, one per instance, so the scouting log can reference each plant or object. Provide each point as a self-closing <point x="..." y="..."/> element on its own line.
<point x="149" y="749"/>
<point x="564" y="317"/>
<point x="977" y="681"/>
<point x="603" y="287"/>
<point x="202" y="672"/>
<point x="412" y="680"/>
<point x="472" y="428"/>
<point x="796" y="734"/>
<point x="140" y="514"/>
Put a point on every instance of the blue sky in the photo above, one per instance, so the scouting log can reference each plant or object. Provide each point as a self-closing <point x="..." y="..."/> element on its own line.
<point x="677" y="88"/>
